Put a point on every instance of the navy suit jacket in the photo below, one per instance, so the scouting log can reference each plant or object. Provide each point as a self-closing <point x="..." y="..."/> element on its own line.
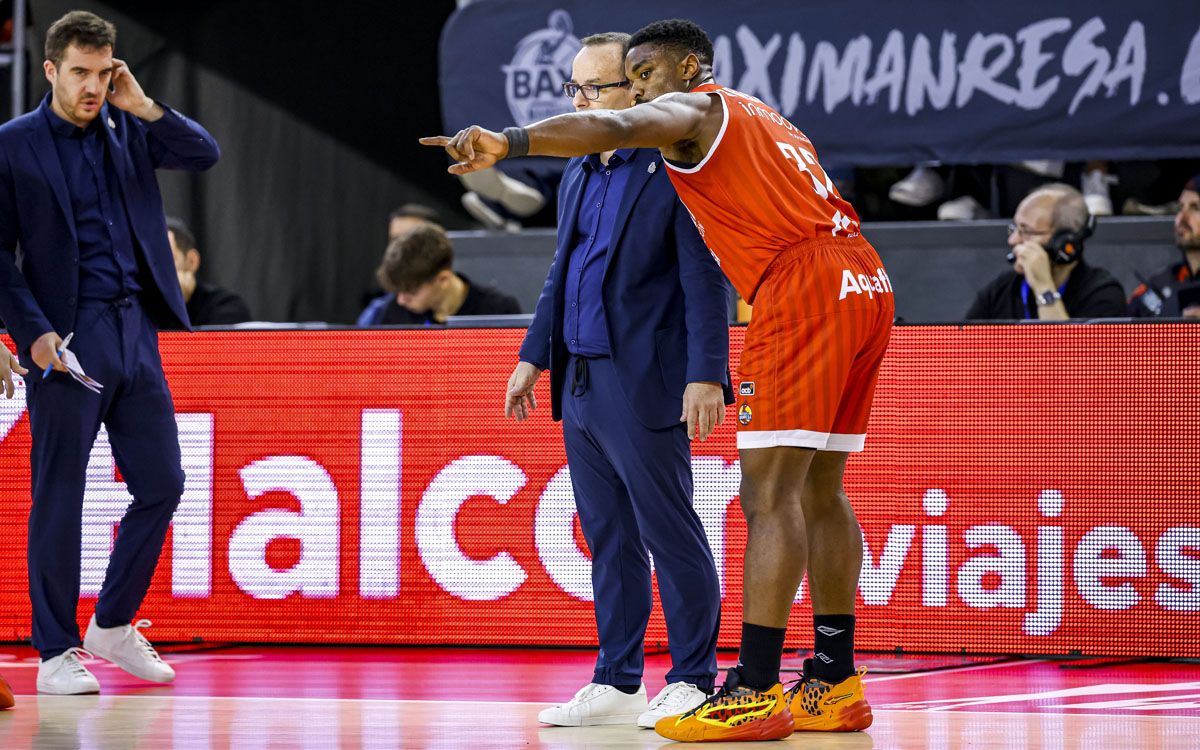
<point x="666" y="301"/>
<point x="39" y="250"/>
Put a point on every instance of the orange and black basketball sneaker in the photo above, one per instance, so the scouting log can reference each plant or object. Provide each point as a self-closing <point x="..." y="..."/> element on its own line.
<point x="736" y="713"/>
<point x="818" y="706"/>
<point x="6" y="695"/>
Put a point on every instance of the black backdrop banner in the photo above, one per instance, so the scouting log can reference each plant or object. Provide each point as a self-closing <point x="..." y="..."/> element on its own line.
<point x="879" y="83"/>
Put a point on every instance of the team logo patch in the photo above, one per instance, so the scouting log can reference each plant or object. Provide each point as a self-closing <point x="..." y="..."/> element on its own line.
<point x="746" y="388"/>
<point x="533" y="79"/>
<point x="745" y="414"/>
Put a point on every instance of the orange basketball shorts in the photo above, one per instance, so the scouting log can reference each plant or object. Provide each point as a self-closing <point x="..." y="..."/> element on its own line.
<point x="822" y="317"/>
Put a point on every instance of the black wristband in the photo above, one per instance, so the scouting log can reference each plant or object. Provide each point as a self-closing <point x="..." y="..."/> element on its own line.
<point x="518" y="142"/>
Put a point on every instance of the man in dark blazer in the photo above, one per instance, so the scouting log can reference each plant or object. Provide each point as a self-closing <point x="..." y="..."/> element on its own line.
<point x="633" y="325"/>
<point x="83" y="251"/>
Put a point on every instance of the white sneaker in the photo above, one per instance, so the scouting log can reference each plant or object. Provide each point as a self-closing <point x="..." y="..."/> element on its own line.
<point x="486" y="215"/>
<point x="965" y="208"/>
<point x="514" y="195"/>
<point x="1094" y="186"/>
<point x="676" y="698"/>
<point x="595" y="705"/>
<point x="919" y="187"/>
<point x="66" y="675"/>
<point x="1044" y="167"/>
<point x="128" y="649"/>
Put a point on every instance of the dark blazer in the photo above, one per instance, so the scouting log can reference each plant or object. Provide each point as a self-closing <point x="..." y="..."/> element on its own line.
<point x="666" y="301"/>
<point x="39" y="250"/>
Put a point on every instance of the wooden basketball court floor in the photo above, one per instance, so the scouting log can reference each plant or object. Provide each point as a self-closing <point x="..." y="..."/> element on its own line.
<point x="370" y="698"/>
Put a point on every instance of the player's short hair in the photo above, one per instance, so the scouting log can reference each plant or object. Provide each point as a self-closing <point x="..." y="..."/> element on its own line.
<point x="184" y="239"/>
<point x="415" y="258"/>
<point x="1193" y="184"/>
<point x="1070" y="209"/>
<point x="677" y="34"/>
<point x="415" y="211"/>
<point x="607" y="37"/>
<point x="85" y="30"/>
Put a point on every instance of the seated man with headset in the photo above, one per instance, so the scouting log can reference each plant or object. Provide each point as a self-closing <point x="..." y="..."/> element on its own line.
<point x="1050" y="280"/>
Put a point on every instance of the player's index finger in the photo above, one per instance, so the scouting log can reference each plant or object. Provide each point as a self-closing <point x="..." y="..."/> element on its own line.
<point x="435" y="140"/>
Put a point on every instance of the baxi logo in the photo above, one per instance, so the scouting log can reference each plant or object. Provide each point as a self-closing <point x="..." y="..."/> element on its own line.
<point x="541" y="64"/>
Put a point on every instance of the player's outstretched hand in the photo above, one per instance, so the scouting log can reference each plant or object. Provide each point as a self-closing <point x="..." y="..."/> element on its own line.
<point x="473" y="148"/>
<point x="703" y="409"/>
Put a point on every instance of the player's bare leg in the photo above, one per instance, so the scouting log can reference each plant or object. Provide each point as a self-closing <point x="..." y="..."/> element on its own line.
<point x="752" y="704"/>
<point x="834" y="538"/>
<point x="830" y="696"/>
<point x="777" y="546"/>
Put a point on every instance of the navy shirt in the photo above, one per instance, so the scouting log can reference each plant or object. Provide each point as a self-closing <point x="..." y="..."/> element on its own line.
<point x="108" y="264"/>
<point x="584" y="328"/>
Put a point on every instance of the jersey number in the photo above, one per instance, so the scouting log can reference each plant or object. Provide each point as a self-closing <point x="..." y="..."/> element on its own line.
<point x="806" y="162"/>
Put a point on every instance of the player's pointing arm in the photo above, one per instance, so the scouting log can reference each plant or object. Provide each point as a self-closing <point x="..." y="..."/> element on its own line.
<point x="662" y="123"/>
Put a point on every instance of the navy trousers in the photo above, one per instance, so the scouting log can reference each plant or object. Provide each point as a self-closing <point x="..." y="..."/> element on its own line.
<point x="117" y="345"/>
<point x="633" y="490"/>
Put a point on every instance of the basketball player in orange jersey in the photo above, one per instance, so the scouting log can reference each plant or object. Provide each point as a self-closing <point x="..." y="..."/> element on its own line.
<point x="823" y="310"/>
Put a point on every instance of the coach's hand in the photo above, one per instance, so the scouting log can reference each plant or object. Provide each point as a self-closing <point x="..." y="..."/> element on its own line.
<point x="45" y="352"/>
<point x="703" y="409"/>
<point x="127" y="94"/>
<point x="519" y="400"/>
<point x="473" y="148"/>
<point x="8" y="365"/>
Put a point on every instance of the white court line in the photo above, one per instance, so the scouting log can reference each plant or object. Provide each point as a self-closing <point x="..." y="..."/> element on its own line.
<point x="951" y="670"/>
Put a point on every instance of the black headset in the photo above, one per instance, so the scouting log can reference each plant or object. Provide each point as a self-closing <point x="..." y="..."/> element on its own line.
<point x="1066" y="245"/>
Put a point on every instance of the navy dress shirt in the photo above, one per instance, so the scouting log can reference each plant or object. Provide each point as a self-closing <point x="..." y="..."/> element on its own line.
<point x="108" y="263"/>
<point x="584" y="327"/>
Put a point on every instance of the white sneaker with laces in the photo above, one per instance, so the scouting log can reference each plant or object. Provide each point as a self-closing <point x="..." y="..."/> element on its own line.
<point x="596" y="705"/>
<point x="66" y="675"/>
<point x="126" y="647"/>
<point x="676" y="698"/>
<point x="919" y="187"/>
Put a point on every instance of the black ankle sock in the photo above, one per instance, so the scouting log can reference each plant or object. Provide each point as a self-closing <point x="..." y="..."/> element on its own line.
<point x="833" y="647"/>
<point x="628" y="689"/>
<point x="762" y="649"/>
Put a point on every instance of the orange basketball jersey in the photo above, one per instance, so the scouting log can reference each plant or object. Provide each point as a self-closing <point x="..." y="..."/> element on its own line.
<point x="759" y="191"/>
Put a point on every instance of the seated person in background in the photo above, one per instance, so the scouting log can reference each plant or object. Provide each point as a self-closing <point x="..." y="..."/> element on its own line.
<point x="207" y="304"/>
<point x="417" y="270"/>
<point x="1174" y="292"/>
<point x="409" y="216"/>
<point x="1050" y="280"/>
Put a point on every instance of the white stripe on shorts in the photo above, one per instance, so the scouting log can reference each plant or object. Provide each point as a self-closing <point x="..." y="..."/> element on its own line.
<point x="822" y="441"/>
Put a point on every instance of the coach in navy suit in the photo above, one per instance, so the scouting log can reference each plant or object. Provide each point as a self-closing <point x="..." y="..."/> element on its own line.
<point x="633" y="325"/>
<point x="83" y="249"/>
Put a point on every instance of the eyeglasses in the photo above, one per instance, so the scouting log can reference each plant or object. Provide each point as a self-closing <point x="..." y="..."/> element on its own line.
<point x="591" y="91"/>
<point x="1025" y="232"/>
